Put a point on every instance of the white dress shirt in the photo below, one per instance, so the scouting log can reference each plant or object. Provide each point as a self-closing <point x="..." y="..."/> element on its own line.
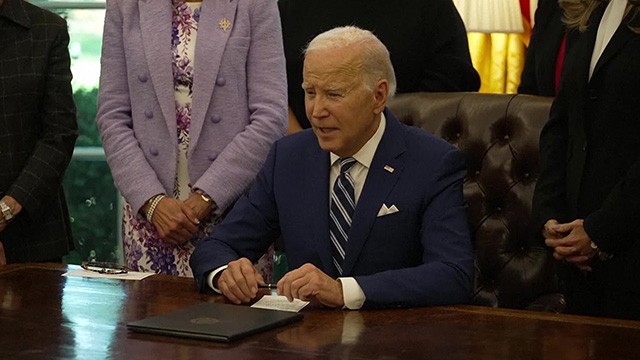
<point x="352" y="293"/>
<point x="610" y="22"/>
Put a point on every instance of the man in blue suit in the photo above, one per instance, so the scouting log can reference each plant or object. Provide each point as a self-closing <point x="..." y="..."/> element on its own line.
<point x="371" y="211"/>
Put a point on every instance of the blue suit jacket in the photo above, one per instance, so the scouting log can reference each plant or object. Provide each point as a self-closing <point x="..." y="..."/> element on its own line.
<point x="421" y="255"/>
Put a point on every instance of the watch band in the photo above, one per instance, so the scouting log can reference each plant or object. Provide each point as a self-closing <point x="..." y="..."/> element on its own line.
<point x="603" y="256"/>
<point x="7" y="214"/>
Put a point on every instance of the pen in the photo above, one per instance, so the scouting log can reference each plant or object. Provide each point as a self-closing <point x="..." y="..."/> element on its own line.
<point x="268" y="286"/>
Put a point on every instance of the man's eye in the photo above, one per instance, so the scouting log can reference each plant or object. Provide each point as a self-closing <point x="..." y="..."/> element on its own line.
<point x="310" y="92"/>
<point x="334" y="95"/>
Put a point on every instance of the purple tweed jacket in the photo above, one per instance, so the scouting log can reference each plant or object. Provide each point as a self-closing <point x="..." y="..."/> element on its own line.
<point x="239" y="97"/>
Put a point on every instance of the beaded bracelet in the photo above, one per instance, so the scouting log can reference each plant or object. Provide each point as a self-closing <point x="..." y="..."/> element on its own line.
<point x="154" y="203"/>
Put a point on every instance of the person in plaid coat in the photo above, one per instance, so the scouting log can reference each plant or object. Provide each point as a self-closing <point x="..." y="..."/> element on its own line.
<point x="38" y="130"/>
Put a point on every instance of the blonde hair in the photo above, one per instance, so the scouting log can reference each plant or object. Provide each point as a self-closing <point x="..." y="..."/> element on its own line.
<point x="376" y="60"/>
<point x="578" y="12"/>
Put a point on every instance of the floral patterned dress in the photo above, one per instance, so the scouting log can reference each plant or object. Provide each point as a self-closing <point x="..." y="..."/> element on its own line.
<point x="143" y="248"/>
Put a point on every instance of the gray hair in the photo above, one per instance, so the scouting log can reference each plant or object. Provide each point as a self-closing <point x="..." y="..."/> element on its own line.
<point x="375" y="56"/>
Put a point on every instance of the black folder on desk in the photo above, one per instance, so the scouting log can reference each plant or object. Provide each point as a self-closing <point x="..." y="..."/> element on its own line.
<point x="213" y="321"/>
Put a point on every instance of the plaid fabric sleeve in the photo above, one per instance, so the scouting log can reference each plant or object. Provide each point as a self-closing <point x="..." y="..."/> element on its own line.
<point x="39" y="182"/>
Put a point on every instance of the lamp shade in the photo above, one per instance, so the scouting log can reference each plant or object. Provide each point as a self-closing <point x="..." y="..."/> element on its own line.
<point x="491" y="16"/>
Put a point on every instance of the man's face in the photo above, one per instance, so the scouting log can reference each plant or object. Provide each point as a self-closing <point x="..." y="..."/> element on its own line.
<point x="344" y="114"/>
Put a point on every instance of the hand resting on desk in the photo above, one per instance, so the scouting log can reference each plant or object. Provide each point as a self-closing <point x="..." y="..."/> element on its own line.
<point x="239" y="283"/>
<point x="308" y="283"/>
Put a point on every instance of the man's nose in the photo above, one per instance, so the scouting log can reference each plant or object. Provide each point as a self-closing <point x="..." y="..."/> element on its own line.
<point x="319" y="108"/>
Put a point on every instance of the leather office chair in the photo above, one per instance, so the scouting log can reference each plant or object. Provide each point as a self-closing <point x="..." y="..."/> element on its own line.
<point x="498" y="134"/>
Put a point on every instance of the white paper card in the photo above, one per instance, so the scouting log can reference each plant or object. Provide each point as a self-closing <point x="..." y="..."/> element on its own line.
<point x="131" y="275"/>
<point x="276" y="302"/>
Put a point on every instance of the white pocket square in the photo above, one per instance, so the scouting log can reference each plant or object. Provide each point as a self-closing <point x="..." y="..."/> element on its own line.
<point x="384" y="210"/>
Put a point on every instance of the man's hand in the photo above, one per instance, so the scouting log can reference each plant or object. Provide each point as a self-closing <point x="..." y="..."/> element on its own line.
<point x="239" y="281"/>
<point x="176" y="222"/>
<point x="575" y="247"/>
<point x="308" y="282"/>
<point x="199" y="207"/>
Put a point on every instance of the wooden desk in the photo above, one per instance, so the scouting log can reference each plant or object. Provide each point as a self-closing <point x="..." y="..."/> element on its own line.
<point x="46" y="316"/>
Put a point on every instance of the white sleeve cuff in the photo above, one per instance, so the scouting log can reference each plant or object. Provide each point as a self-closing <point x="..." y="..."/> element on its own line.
<point x="352" y="293"/>
<point x="212" y="276"/>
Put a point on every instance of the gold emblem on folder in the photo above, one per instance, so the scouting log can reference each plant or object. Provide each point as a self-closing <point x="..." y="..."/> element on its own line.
<point x="225" y="24"/>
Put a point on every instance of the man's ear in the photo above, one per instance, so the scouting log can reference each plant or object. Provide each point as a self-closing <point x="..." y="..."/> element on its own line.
<point x="380" y="95"/>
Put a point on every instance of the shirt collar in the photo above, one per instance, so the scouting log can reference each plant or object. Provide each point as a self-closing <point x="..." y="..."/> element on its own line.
<point x="14" y="10"/>
<point x="365" y="155"/>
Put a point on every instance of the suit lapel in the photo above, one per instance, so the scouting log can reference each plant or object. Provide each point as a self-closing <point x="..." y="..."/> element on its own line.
<point x="210" y="46"/>
<point x="155" y="25"/>
<point x="622" y="35"/>
<point x="582" y="56"/>
<point x="15" y="11"/>
<point x="376" y="189"/>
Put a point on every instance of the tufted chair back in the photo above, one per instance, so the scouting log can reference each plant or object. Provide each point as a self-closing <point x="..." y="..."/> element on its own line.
<point x="498" y="134"/>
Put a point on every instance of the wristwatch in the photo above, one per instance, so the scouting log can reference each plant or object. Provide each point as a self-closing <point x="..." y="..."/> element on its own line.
<point x="7" y="214"/>
<point x="603" y="256"/>
<point x="206" y="198"/>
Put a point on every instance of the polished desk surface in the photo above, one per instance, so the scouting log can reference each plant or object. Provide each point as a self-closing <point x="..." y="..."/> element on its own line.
<point x="46" y="316"/>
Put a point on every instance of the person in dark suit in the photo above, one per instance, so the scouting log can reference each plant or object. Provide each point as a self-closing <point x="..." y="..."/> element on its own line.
<point x="359" y="197"/>
<point x="586" y="199"/>
<point x="547" y="50"/>
<point x="427" y="41"/>
<point x="37" y="132"/>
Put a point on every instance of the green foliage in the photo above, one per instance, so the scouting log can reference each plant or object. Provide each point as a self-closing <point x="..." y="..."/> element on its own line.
<point x="87" y="105"/>
<point x="91" y="195"/>
<point x="93" y="208"/>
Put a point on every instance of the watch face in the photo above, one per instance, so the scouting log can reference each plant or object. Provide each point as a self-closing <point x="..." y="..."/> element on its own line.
<point x="6" y="211"/>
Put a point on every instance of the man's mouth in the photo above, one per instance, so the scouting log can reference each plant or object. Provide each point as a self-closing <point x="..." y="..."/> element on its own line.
<point x="326" y="130"/>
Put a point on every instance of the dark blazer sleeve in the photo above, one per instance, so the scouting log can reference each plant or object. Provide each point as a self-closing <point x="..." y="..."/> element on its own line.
<point x="39" y="182"/>
<point x="613" y="226"/>
<point x="549" y="198"/>
<point x="448" y="66"/>
<point x="538" y="74"/>
<point x="256" y="214"/>
<point x="446" y="274"/>
<point x="528" y="81"/>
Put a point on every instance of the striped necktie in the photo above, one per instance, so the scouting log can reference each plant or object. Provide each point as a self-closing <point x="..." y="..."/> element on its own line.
<point x="342" y="207"/>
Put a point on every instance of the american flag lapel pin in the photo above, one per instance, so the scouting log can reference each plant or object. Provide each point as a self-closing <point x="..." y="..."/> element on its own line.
<point x="389" y="168"/>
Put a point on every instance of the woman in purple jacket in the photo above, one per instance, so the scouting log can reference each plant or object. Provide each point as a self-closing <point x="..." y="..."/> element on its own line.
<point x="192" y="95"/>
